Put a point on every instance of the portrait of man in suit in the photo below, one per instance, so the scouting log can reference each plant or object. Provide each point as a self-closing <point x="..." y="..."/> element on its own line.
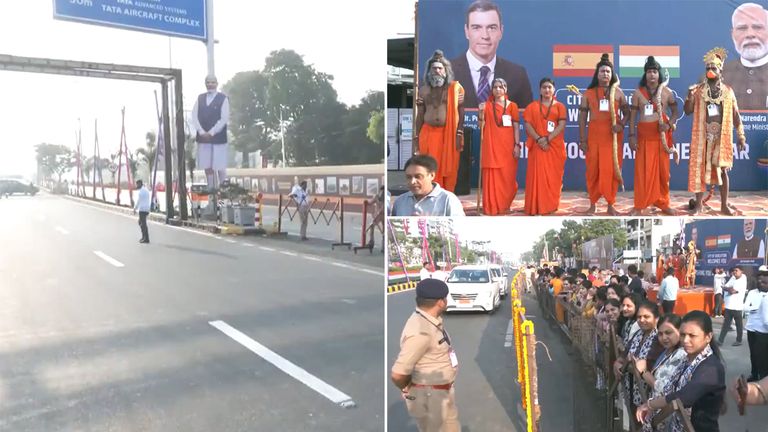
<point x="478" y="66"/>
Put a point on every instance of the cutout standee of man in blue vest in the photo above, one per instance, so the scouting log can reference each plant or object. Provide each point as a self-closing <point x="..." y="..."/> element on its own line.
<point x="209" y="118"/>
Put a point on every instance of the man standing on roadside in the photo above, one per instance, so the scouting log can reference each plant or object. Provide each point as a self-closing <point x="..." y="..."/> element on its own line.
<point x="734" y="291"/>
<point x="142" y="206"/>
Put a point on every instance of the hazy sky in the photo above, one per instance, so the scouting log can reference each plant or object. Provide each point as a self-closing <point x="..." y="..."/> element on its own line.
<point x="45" y="108"/>
<point x="509" y="236"/>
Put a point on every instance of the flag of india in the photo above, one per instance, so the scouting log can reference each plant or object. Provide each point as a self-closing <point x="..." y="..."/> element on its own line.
<point x="632" y="59"/>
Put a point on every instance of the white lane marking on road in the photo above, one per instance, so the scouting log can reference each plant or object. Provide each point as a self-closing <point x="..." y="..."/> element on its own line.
<point x="62" y="230"/>
<point x="289" y="253"/>
<point x="348" y="301"/>
<point x="246" y="244"/>
<point x="267" y="248"/>
<point x="350" y="267"/>
<point x="108" y="259"/>
<point x="510" y="337"/>
<point x="311" y="381"/>
<point x="230" y="241"/>
<point x="311" y="258"/>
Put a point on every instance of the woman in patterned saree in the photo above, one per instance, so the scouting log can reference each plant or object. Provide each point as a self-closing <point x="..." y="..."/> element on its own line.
<point x="659" y="373"/>
<point x="699" y="382"/>
<point x="643" y="346"/>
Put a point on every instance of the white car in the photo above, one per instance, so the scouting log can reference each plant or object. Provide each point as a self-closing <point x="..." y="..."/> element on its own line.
<point x="473" y="288"/>
<point x="500" y="278"/>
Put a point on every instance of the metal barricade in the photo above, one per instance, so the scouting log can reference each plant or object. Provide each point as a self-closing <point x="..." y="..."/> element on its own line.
<point x="525" y="350"/>
<point x="331" y="210"/>
<point x="377" y="222"/>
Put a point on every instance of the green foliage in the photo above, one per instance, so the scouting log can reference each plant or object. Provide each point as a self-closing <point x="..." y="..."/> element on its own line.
<point x="375" y="131"/>
<point x="55" y="159"/>
<point x="573" y="234"/>
<point x="317" y="128"/>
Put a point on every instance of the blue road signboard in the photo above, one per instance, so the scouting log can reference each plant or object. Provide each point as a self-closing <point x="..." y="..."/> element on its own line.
<point x="180" y="18"/>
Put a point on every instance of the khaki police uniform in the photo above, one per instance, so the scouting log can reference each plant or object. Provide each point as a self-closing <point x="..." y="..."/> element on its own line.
<point x="425" y="355"/>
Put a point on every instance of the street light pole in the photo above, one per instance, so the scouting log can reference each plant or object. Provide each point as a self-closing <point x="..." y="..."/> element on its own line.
<point x="209" y="40"/>
<point x="282" y="135"/>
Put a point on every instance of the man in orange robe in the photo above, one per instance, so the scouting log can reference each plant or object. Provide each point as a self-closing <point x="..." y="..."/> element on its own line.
<point x="438" y="128"/>
<point x="500" y="150"/>
<point x="652" y="157"/>
<point x="544" y="126"/>
<point x="715" y="114"/>
<point x="603" y="166"/>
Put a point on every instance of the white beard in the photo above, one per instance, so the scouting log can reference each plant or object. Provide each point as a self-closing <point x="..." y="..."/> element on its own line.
<point x="436" y="80"/>
<point x="753" y="54"/>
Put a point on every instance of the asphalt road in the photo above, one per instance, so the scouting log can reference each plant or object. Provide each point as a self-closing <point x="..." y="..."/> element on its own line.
<point x="487" y="393"/>
<point x="101" y="333"/>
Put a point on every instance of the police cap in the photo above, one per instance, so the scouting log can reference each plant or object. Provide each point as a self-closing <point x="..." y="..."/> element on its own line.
<point x="431" y="289"/>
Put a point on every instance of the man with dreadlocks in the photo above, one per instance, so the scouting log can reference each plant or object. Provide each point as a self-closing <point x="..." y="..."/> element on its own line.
<point x="603" y="146"/>
<point x="438" y="128"/>
<point x="651" y="137"/>
<point x="715" y="114"/>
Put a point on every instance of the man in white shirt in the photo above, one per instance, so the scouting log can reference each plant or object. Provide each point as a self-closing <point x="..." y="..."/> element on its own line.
<point x="440" y="274"/>
<point x="209" y="119"/>
<point x="668" y="291"/>
<point x="734" y="291"/>
<point x="757" y="326"/>
<point x="301" y="198"/>
<point x="718" y="275"/>
<point x="424" y="273"/>
<point x="142" y="206"/>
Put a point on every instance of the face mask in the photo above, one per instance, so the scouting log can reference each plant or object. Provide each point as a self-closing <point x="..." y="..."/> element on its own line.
<point x="711" y="75"/>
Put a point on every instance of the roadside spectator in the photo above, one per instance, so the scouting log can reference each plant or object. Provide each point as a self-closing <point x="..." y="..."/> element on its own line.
<point x="668" y="292"/>
<point x="301" y="198"/>
<point x="734" y="291"/>
<point x="718" y="276"/>
<point x="698" y="382"/>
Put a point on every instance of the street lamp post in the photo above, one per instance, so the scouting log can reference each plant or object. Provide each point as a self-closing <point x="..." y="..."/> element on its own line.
<point x="282" y="135"/>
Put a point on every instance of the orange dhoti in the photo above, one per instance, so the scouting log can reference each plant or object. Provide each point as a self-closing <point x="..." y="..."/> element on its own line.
<point x="498" y="163"/>
<point x="651" y="168"/>
<point x="544" y="178"/>
<point x="601" y="179"/>
<point x="433" y="141"/>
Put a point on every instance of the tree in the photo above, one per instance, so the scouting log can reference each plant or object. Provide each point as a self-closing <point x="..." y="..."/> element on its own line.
<point x="356" y="147"/>
<point x="376" y="127"/>
<point x="249" y="115"/>
<point x="149" y="154"/>
<point x="306" y="101"/>
<point x="55" y="159"/>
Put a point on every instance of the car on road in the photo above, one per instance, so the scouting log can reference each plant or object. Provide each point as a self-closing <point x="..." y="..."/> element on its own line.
<point x="471" y="287"/>
<point x="500" y="278"/>
<point x="9" y="187"/>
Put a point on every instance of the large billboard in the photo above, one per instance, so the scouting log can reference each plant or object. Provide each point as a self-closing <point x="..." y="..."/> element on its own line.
<point x="598" y="252"/>
<point x="726" y="243"/>
<point x="564" y="40"/>
<point x="181" y="18"/>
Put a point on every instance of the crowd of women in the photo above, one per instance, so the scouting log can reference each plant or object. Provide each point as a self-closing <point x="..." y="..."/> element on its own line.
<point x="656" y="361"/>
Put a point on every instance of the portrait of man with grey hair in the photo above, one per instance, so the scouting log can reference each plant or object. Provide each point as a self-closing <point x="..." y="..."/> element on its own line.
<point x="748" y="75"/>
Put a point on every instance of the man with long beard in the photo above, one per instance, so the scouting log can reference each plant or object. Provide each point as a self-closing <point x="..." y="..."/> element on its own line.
<point x="650" y="101"/>
<point x="438" y="128"/>
<point x="602" y="159"/>
<point x="748" y="76"/>
<point x="715" y="114"/>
